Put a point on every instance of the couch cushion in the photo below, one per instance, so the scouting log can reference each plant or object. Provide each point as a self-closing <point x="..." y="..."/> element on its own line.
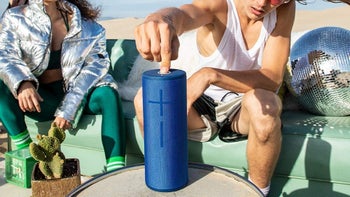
<point x="122" y="55"/>
<point x="314" y="147"/>
<point x="303" y="123"/>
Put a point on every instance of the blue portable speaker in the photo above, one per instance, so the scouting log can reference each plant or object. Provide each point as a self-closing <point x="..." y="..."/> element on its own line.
<point x="165" y="129"/>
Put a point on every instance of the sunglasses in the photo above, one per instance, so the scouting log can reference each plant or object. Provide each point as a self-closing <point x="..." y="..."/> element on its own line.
<point x="278" y="2"/>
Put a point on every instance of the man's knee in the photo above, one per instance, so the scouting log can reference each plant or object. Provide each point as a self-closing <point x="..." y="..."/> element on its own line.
<point x="263" y="102"/>
<point x="265" y="108"/>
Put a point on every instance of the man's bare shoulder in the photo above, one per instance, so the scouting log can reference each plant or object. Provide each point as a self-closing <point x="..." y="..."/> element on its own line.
<point x="211" y="5"/>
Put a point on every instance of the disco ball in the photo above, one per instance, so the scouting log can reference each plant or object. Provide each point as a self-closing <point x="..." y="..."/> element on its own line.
<point x="319" y="71"/>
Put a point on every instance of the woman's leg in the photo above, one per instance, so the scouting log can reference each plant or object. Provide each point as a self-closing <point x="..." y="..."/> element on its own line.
<point x="106" y="101"/>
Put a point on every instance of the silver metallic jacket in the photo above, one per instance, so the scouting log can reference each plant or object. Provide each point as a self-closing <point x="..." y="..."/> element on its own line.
<point x="25" y="50"/>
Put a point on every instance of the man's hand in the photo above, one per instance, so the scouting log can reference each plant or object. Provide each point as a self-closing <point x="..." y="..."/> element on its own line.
<point x="28" y="97"/>
<point x="156" y="40"/>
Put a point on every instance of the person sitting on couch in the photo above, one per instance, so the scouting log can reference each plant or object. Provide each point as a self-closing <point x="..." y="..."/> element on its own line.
<point x="242" y="47"/>
<point x="54" y="66"/>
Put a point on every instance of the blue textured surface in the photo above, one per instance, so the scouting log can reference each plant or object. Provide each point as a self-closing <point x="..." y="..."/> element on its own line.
<point x="165" y="130"/>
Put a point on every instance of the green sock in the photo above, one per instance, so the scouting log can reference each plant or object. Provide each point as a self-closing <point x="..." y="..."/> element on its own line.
<point x="22" y="140"/>
<point x="114" y="163"/>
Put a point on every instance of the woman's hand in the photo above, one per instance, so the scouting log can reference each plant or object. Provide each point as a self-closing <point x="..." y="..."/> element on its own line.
<point x="62" y="123"/>
<point x="29" y="98"/>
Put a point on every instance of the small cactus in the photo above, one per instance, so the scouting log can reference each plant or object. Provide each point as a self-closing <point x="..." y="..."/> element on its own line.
<point x="47" y="152"/>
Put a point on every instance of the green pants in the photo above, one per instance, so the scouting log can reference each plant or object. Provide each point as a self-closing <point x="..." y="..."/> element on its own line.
<point x="102" y="100"/>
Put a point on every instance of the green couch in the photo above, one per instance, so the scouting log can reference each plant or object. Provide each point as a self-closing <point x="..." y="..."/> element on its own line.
<point x="313" y="160"/>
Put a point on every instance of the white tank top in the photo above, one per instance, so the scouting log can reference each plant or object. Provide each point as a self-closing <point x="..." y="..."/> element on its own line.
<point x="231" y="53"/>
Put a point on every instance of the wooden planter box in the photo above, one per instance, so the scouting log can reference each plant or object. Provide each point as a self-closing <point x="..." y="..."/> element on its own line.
<point x="56" y="187"/>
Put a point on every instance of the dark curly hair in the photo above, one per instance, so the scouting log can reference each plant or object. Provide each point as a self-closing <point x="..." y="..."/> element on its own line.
<point x="86" y="9"/>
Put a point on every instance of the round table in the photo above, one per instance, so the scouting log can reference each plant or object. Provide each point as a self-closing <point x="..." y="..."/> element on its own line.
<point x="203" y="180"/>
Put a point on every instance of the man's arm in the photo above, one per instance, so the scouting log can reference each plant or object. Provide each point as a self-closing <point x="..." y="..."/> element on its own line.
<point x="270" y="76"/>
<point x="277" y="49"/>
<point x="157" y="38"/>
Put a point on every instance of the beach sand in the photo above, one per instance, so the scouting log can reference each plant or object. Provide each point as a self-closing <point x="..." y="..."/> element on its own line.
<point x="304" y="20"/>
<point x="307" y="20"/>
<point x="123" y="28"/>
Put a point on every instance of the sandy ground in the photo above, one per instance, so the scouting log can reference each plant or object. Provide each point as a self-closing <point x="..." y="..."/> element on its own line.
<point x="304" y="20"/>
<point x="123" y="28"/>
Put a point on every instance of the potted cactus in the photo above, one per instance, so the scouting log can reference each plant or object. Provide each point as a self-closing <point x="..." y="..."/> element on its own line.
<point x="53" y="174"/>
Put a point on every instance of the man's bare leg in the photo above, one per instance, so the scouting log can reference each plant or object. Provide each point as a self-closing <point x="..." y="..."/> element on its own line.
<point x="139" y="109"/>
<point x="260" y="119"/>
